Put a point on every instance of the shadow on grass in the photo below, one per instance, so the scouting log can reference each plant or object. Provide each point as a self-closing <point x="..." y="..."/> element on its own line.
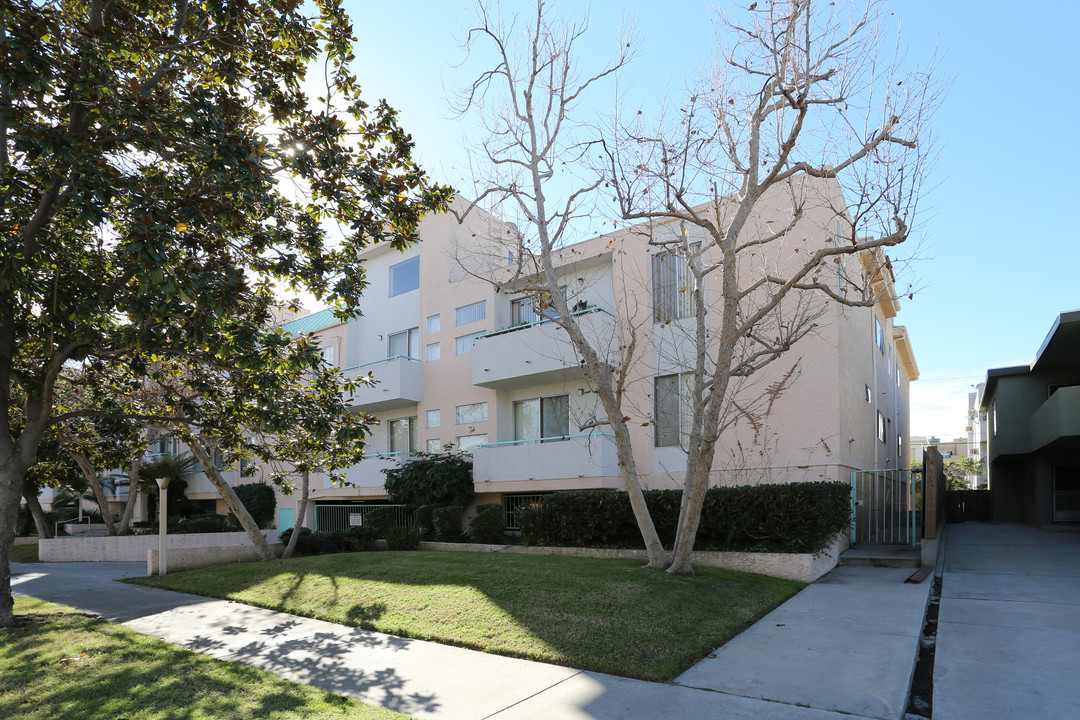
<point x="65" y="664"/>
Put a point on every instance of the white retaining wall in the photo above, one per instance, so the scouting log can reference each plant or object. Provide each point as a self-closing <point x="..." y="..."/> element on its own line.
<point x="191" y="558"/>
<point x="133" y="548"/>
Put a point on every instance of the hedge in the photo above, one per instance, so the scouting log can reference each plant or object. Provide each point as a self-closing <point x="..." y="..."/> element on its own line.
<point x="487" y="527"/>
<point x="792" y="517"/>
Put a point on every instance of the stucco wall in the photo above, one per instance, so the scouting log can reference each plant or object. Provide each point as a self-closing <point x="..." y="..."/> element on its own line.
<point x="197" y="557"/>
<point x="133" y="548"/>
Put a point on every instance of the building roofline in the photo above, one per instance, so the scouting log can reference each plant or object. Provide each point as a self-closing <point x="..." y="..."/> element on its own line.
<point x="1063" y="318"/>
<point x="991" y="381"/>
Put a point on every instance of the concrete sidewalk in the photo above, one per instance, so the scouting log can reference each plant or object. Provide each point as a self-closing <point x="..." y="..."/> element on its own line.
<point x="845" y="643"/>
<point x="1008" y="641"/>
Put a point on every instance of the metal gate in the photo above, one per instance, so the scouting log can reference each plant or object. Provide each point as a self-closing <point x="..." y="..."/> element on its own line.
<point x="340" y="517"/>
<point x="886" y="507"/>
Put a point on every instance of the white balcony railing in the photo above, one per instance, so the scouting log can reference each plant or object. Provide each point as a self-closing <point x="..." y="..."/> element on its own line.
<point x="590" y="455"/>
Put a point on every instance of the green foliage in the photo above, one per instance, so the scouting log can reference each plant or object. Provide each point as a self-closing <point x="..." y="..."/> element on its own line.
<point x="205" y="523"/>
<point x="447" y="522"/>
<point x="381" y="520"/>
<point x="792" y="517"/>
<point x="487" y="526"/>
<point x="260" y="501"/>
<point x="443" y="478"/>
<point x="324" y="542"/>
<point x="957" y="470"/>
<point x="402" y="538"/>
<point x="425" y="521"/>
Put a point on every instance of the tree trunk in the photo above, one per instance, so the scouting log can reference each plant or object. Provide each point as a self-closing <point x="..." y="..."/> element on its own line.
<point x="237" y="507"/>
<point x="299" y="523"/>
<point x="12" y="478"/>
<point x="44" y="530"/>
<point x="697" y="483"/>
<point x="133" y="494"/>
<point x="90" y="473"/>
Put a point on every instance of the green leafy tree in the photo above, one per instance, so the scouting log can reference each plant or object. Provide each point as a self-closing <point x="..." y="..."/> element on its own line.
<point x="162" y="169"/>
<point x="957" y="471"/>
<point x="443" y="478"/>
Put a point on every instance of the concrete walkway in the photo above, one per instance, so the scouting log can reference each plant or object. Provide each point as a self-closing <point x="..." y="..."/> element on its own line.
<point x="1008" y="642"/>
<point x="846" y="643"/>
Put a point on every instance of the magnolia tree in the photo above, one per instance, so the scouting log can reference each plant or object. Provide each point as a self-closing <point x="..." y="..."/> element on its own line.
<point x="161" y="167"/>
<point x="768" y="192"/>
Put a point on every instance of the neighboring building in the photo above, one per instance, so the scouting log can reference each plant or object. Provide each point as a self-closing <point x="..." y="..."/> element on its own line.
<point x="1033" y="414"/>
<point x="978" y="435"/>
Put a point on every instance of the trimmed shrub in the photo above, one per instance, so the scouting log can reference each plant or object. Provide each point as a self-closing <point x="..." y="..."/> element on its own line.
<point x="365" y="537"/>
<point x="487" y="526"/>
<point x="402" y="538"/>
<point x="791" y="517"/>
<point x="443" y="478"/>
<point x="425" y="521"/>
<point x="259" y="500"/>
<point x="381" y="520"/>
<point x="207" y="523"/>
<point x="447" y="521"/>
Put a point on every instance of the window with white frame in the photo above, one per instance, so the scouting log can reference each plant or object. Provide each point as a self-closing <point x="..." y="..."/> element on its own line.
<point x="672" y="409"/>
<point x="546" y="419"/>
<point x="880" y="334"/>
<point x="880" y="426"/>
<point x="900" y="446"/>
<point x="673" y="287"/>
<point x="328" y="353"/>
<point x="405" y="344"/>
<point x="463" y="345"/>
<point x="470" y="313"/>
<point x="468" y="442"/>
<point x="433" y="324"/>
<point x="471" y="413"/>
<point x="433" y="418"/>
<point x="402" y="433"/>
<point x="869" y="395"/>
<point x="433" y="352"/>
<point x="897" y="374"/>
<point x="523" y="311"/>
<point x="433" y="445"/>
<point x="405" y="277"/>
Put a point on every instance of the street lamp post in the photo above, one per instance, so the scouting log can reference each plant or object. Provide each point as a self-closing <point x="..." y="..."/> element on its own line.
<point x="163" y="496"/>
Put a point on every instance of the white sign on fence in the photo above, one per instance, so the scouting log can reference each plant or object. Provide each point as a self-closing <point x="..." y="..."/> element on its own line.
<point x="356" y="520"/>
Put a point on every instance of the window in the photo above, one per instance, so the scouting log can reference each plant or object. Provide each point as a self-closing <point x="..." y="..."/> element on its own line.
<point x="900" y="446"/>
<point x="433" y="324"/>
<point x="433" y="352"/>
<point x="433" y="418"/>
<point x="880" y="426"/>
<point x="403" y="435"/>
<point x="463" y="344"/>
<point x="328" y="354"/>
<point x="404" y="277"/>
<point x="468" y="442"/>
<point x="897" y="374"/>
<point x="523" y="311"/>
<point x="219" y="459"/>
<point x="433" y="445"/>
<point x="673" y="413"/>
<point x="542" y="418"/>
<point x="166" y="445"/>
<point x="471" y="413"/>
<point x="869" y="395"/>
<point x="470" y="313"/>
<point x="880" y="335"/>
<point x="673" y="287"/>
<point x="405" y="344"/>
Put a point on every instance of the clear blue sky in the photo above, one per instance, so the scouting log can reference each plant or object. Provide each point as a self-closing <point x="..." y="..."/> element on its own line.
<point x="998" y="253"/>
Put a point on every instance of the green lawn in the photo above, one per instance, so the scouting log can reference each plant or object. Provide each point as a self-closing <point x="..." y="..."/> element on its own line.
<point x="606" y="615"/>
<point x="65" y="664"/>
<point x="24" y="553"/>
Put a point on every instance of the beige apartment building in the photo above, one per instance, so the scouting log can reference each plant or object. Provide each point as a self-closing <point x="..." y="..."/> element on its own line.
<point x="462" y="356"/>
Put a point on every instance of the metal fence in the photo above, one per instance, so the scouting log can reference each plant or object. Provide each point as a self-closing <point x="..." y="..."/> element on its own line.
<point x="337" y="518"/>
<point x="511" y="505"/>
<point x="886" y="507"/>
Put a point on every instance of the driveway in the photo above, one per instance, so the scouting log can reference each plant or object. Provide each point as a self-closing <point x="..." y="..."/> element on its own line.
<point x="1008" y="642"/>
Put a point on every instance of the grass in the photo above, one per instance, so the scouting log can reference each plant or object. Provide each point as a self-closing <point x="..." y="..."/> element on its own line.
<point x="611" y="616"/>
<point x="25" y="553"/>
<point x="66" y="664"/>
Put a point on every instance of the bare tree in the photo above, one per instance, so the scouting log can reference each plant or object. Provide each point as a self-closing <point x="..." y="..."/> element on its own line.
<point x="527" y="101"/>
<point x="802" y="148"/>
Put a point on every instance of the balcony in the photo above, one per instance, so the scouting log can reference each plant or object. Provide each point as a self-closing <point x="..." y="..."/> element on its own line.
<point x="398" y="384"/>
<point x="539" y="353"/>
<point x="1057" y="418"/>
<point x="549" y="465"/>
<point x="368" y="473"/>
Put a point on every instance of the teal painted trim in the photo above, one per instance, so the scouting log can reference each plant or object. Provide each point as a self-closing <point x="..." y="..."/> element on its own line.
<point x="376" y="362"/>
<point x="515" y="328"/>
<point x="553" y="438"/>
